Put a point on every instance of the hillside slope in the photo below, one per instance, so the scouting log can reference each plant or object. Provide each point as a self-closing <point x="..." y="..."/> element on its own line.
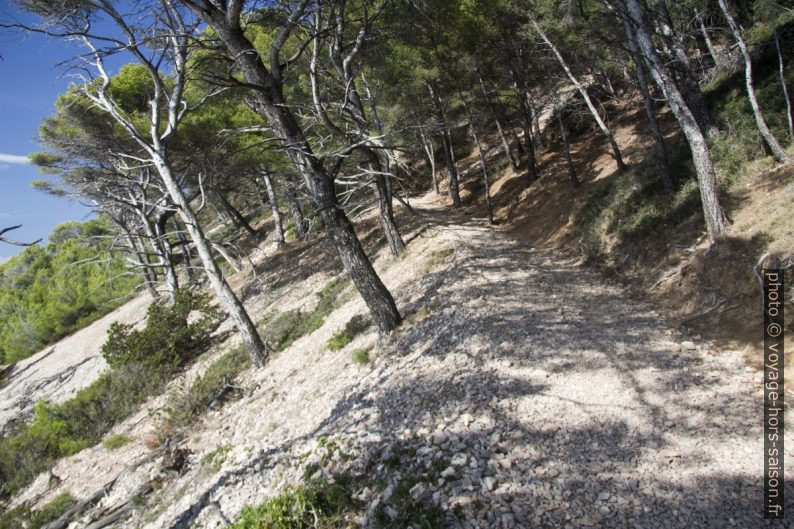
<point x="522" y="391"/>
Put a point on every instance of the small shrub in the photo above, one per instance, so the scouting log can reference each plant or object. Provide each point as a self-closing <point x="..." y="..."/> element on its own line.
<point x="437" y="259"/>
<point x="168" y="340"/>
<point x="288" y="326"/>
<point x="317" y="505"/>
<point x="115" y="442"/>
<point x="360" y="356"/>
<point x="215" y="459"/>
<point x="353" y="328"/>
<point x="23" y="516"/>
<point x="187" y="405"/>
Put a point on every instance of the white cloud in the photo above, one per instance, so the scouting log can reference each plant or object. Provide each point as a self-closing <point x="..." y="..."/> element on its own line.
<point x="13" y="158"/>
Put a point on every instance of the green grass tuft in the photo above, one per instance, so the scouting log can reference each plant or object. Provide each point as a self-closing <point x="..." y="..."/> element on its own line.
<point x="186" y="405"/>
<point x="360" y="356"/>
<point x="353" y="328"/>
<point x="116" y="441"/>
<point x="286" y="327"/>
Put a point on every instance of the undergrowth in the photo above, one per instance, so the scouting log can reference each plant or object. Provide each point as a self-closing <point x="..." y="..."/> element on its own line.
<point x="286" y="327"/>
<point x="332" y="502"/>
<point x="142" y="362"/>
<point x="188" y="404"/>
<point x="23" y="517"/>
<point x="114" y="442"/>
<point x="353" y="328"/>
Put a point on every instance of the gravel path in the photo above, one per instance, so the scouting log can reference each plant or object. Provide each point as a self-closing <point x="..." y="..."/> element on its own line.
<point x="524" y="391"/>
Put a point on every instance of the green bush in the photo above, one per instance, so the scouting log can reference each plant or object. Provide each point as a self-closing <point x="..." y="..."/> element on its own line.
<point x="115" y="442"/>
<point x="353" y="328"/>
<point x="23" y="516"/>
<point x="141" y="364"/>
<point x="187" y="405"/>
<point x="168" y="340"/>
<point x="48" y="292"/>
<point x="317" y="505"/>
<point x="286" y="327"/>
<point x="360" y="356"/>
<point x="215" y="459"/>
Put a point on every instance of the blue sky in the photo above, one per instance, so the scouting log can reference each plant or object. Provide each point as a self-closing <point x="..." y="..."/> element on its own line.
<point x="29" y="84"/>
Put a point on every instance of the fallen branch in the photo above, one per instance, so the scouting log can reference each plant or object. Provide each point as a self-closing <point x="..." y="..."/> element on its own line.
<point x="705" y="312"/>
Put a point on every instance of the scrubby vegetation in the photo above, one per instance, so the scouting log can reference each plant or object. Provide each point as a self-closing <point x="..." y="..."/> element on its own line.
<point x="353" y="328"/>
<point x="115" y="442"/>
<point x="142" y="362"/>
<point x="23" y="517"/>
<point x="284" y="328"/>
<point x="170" y="338"/>
<point x="48" y="292"/>
<point x="316" y="505"/>
<point x="188" y="404"/>
<point x="360" y="356"/>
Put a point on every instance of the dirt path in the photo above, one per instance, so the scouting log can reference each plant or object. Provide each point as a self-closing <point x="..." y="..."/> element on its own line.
<point x="523" y="391"/>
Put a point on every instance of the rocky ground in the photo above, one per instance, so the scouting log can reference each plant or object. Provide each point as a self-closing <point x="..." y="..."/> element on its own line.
<point x="522" y="391"/>
<point x="61" y="370"/>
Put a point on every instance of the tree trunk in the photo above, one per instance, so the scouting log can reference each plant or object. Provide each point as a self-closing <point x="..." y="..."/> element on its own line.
<point x="446" y="141"/>
<point x="603" y="126"/>
<point x="782" y="73"/>
<point x="526" y="115"/>
<point x="295" y="211"/>
<point x="535" y="121"/>
<point x="140" y="255"/>
<point x="660" y="148"/>
<point x="231" y="303"/>
<point x="386" y="212"/>
<point x="566" y="146"/>
<point x="269" y="102"/>
<point x="480" y="154"/>
<point x="430" y="155"/>
<point x="237" y="217"/>
<point x="171" y="281"/>
<point x="689" y="86"/>
<point x="495" y="114"/>
<point x="716" y="223"/>
<point x="185" y="245"/>
<point x="271" y="194"/>
<point x="707" y="40"/>
<point x="777" y="150"/>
